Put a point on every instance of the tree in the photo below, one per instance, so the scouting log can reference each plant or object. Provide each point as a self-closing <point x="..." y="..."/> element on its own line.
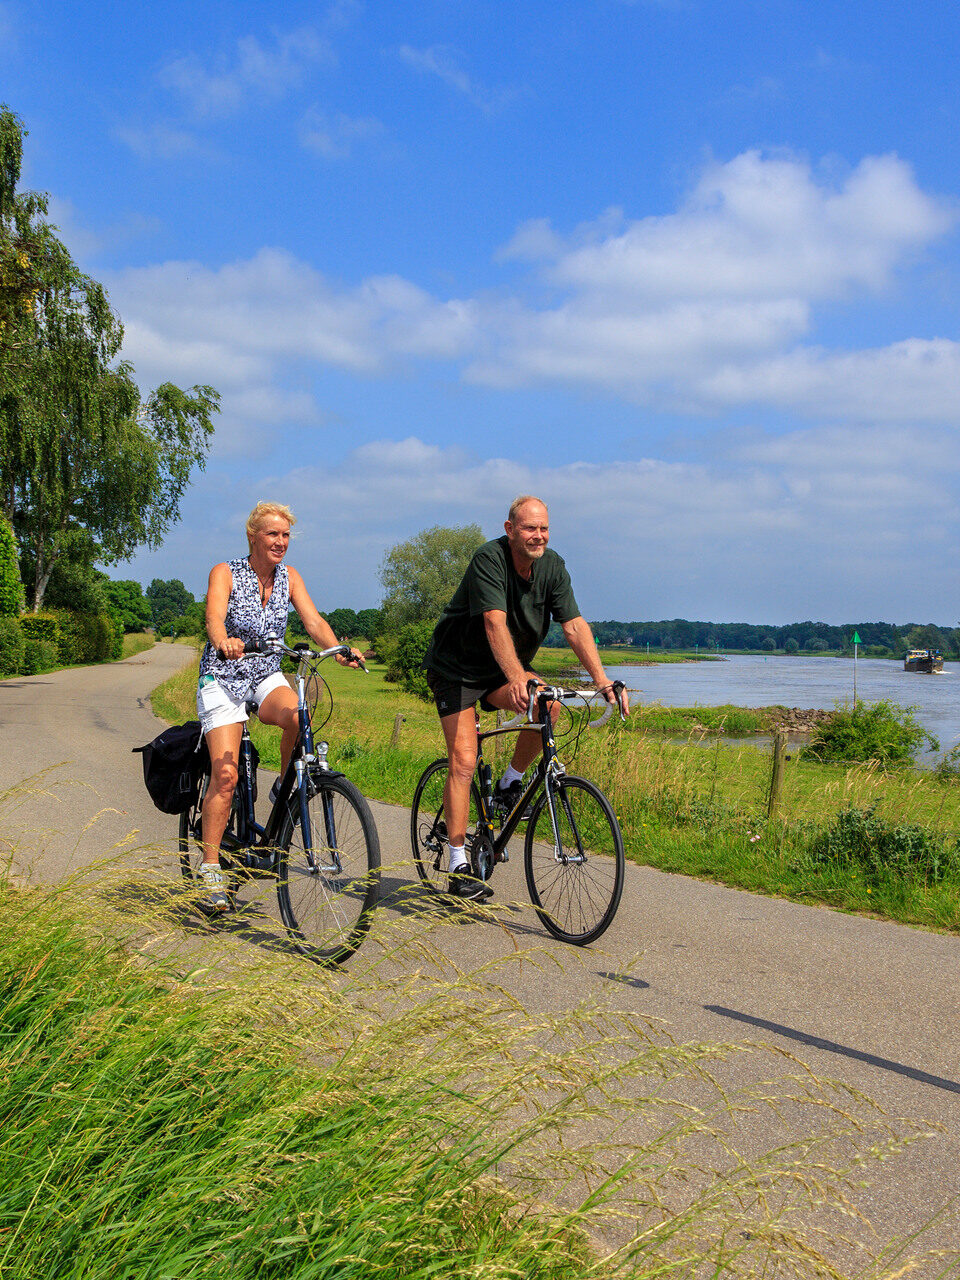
<point x="926" y="637"/>
<point x="11" y="588"/>
<point x="343" y="622"/>
<point x="369" y="623"/>
<point x="169" y="600"/>
<point x="127" y="600"/>
<point x="419" y="576"/>
<point x="82" y="455"/>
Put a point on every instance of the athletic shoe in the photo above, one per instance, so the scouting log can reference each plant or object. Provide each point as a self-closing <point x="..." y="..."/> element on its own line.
<point x="213" y="882"/>
<point x="464" y="884"/>
<point x="507" y="797"/>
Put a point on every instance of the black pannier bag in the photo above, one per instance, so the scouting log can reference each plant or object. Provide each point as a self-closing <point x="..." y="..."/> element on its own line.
<point x="173" y="764"/>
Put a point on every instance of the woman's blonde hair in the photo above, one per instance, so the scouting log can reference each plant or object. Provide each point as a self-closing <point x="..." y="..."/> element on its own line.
<point x="262" y="511"/>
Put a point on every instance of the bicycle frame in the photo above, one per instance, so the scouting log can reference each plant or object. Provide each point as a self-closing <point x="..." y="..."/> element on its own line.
<point x="548" y="767"/>
<point x="306" y="756"/>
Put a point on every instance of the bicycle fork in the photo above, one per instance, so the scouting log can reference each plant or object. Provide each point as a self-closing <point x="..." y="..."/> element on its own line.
<point x="555" y="772"/>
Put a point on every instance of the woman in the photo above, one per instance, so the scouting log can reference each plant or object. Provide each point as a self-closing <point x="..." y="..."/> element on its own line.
<point x="248" y="598"/>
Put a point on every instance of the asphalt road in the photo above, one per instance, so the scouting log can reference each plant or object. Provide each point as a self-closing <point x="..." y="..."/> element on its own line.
<point x="869" y="1003"/>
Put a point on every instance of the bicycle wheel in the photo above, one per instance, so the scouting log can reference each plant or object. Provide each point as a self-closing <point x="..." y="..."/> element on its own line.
<point x="575" y="883"/>
<point x="428" y="829"/>
<point x="327" y="895"/>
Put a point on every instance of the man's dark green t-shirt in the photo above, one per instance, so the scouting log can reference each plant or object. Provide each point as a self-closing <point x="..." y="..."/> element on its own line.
<point x="460" y="650"/>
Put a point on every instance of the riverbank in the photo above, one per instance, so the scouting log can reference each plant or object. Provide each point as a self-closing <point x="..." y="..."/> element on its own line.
<point x="683" y="808"/>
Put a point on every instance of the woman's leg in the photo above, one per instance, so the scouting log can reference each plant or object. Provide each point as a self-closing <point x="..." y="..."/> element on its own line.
<point x="279" y="708"/>
<point x="223" y="743"/>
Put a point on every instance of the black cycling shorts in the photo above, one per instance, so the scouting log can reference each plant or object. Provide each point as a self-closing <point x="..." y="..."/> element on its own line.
<point x="452" y="697"/>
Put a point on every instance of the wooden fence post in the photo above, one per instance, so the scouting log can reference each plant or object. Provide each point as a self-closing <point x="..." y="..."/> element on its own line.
<point x="395" y="736"/>
<point x="776" y="775"/>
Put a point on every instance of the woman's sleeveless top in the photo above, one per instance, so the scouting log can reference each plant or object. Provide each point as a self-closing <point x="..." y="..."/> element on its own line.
<point x="247" y="619"/>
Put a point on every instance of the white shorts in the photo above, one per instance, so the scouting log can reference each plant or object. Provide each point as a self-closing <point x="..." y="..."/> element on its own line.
<point x="216" y="707"/>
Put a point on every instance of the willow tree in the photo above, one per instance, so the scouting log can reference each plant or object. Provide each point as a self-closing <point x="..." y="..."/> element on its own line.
<point x="84" y="457"/>
<point x="420" y="575"/>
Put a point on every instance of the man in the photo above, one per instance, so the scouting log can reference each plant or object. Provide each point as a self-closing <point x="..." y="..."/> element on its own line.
<point x="481" y="651"/>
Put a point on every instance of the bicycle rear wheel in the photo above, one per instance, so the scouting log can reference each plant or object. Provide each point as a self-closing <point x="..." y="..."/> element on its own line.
<point x="574" y="882"/>
<point x="327" y="894"/>
<point x="428" y="828"/>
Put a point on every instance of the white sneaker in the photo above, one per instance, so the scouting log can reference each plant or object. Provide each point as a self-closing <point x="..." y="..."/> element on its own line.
<point x="212" y="881"/>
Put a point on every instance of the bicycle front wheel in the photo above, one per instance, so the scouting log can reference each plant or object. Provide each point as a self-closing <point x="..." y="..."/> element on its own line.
<point x="574" y="874"/>
<point x="327" y="893"/>
<point x="428" y="827"/>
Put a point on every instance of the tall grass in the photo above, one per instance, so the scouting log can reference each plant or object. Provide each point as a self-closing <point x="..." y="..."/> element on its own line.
<point x="162" y="1118"/>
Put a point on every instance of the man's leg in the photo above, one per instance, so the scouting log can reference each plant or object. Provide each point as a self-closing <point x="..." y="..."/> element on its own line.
<point x="460" y="735"/>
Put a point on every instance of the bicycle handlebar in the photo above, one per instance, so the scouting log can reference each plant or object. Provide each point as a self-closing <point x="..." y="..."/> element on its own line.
<point x="554" y="693"/>
<point x="300" y="651"/>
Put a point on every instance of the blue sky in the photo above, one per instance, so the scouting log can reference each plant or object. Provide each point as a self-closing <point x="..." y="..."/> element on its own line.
<point x="686" y="268"/>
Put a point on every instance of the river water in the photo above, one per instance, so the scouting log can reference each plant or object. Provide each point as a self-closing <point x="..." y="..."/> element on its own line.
<point x="755" y="681"/>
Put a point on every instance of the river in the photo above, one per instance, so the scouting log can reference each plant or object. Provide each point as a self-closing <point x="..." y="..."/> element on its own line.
<point x="756" y="681"/>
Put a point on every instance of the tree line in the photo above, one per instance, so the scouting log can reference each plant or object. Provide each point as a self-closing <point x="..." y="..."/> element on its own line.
<point x="169" y="608"/>
<point x="877" y="639"/>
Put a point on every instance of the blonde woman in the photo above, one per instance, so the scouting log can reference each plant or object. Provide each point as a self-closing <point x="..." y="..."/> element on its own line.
<point x="248" y="598"/>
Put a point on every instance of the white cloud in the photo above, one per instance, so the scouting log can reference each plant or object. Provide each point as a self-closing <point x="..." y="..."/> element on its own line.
<point x="913" y="381"/>
<point x="709" y="307"/>
<point x="161" y="140"/>
<point x="333" y="135"/>
<point x="253" y="70"/>
<point x="707" y="310"/>
<point x="442" y="62"/>
<point x="757" y="227"/>
<point x="807" y="520"/>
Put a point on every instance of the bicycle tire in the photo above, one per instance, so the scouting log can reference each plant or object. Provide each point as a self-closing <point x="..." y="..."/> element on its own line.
<point x="428" y="833"/>
<point x="327" y="914"/>
<point x="576" y="900"/>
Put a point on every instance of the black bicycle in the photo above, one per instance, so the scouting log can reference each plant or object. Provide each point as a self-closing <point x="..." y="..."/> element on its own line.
<point x="573" y="849"/>
<point x="319" y="842"/>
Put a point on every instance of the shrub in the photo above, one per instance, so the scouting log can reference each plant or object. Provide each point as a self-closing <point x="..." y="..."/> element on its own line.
<point x="948" y="769"/>
<point x="412" y="644"/>
<point x="84" y="637"/>
<point x="40" y="655"/>
<point x="11" y="647"/>
<point x="40" y="626"/>
<point x="860" y="838"/>
<point x="879" y="731"/>
<point x="403" y="654"/>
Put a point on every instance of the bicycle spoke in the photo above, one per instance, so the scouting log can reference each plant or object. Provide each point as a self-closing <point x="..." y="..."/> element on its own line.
<point x="328" y="910"/>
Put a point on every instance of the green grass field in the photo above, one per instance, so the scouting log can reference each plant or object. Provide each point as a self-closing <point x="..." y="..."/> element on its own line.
<point x="693" y="806"/>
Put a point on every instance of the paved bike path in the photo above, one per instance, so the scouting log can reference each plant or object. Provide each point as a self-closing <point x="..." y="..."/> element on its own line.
<point x="871" y="1003"/>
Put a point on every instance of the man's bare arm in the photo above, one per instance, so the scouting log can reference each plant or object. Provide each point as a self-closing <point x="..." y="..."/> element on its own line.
<point x="505" y="655"/>
<point x="579" y="637"/>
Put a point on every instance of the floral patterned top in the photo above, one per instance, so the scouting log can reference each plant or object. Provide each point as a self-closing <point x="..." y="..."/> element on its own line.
<point x="248" y="619"/>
